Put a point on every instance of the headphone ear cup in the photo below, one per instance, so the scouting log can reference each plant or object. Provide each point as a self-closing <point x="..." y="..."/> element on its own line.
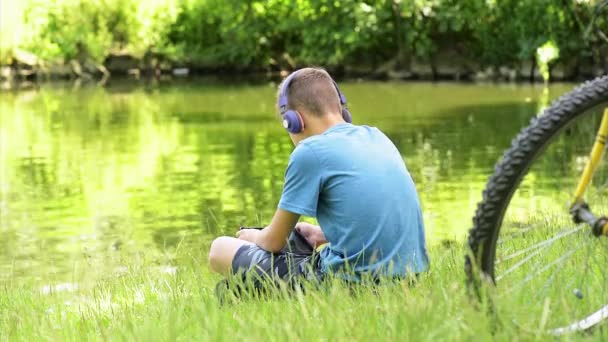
<point x="292" y="121"/>
<point x="346" y="115"/>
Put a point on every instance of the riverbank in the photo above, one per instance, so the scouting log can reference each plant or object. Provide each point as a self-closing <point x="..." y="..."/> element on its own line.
<point x="406" y="40"/>
<point x="28" y="70"/>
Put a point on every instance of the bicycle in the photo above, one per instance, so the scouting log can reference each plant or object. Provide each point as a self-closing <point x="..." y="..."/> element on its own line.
<point x="537" y="234"/>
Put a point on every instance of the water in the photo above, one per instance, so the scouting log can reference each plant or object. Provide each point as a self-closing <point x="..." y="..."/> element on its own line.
<point x="91" y="178"/>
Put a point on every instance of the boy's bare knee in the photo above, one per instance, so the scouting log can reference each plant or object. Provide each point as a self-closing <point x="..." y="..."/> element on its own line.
<point x="222" y="252"/>
<point x="216" y="251"/>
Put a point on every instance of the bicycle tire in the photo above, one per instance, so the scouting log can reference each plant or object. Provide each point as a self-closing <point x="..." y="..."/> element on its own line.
<point x="515" y="163"/>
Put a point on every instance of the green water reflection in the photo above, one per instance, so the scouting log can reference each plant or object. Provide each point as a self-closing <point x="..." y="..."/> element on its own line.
<point x="87" y="172"/>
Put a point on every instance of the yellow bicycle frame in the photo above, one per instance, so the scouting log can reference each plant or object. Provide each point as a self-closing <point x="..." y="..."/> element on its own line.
<point x="594" y="159"/>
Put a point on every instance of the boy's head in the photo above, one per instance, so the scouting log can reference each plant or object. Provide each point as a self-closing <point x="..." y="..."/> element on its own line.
<point x="313" y="96"/>
<point x="312" y="91"/>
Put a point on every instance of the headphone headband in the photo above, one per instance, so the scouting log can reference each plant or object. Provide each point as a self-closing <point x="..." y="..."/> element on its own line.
<point x="283" y="92"/>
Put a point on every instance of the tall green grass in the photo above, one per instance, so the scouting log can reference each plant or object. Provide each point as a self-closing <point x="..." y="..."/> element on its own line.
<point x="146" y="303"/>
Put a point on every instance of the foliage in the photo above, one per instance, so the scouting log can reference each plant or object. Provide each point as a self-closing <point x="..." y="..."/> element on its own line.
<point x="281" y="33"/>
<point x="68" y="29"/>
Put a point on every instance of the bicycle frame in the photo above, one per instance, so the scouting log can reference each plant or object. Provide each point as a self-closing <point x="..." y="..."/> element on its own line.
<point x="579" y="208"/>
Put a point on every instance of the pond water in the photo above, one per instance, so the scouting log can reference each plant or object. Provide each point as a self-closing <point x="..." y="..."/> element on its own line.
<point x="99" y="173"/>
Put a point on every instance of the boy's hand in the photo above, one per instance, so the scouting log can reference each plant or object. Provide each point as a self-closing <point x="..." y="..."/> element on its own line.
<point x="313" y="234"/>
<point x="250" y="235"/>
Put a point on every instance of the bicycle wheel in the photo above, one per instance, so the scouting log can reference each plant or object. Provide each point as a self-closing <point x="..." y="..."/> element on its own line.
<point x="549" y="272"/>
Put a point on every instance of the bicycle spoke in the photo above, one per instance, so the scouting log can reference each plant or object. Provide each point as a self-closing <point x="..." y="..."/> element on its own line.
<point x="549" y="281"/>
<point x="561" y="259"/>
<point x="516" y="234"/>
<point x="541" y="244"/>
<point x="587" y="264"/>
<point x="604" y="263"/>
<point x="523" y="261"/>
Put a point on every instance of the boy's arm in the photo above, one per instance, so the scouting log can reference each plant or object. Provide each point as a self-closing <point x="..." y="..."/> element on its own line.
<point x="274" y="237"/>
<point x="303" y="182"/>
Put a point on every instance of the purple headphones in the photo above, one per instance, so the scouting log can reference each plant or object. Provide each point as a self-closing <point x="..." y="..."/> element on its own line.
<point x="292" y="121"/>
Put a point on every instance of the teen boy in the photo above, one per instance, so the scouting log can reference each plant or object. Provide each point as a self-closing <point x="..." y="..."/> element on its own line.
<point x="351" y="178"/>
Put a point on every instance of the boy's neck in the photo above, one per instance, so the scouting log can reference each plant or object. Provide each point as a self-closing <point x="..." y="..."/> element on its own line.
<point x="318" y="125"/>
<point x="315" y="125"/>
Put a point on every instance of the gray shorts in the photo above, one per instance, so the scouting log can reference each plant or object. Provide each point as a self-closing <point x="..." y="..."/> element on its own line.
<point x="296" y="262"/>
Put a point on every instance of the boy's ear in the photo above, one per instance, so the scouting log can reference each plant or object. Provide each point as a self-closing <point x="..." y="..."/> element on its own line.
<point x="301" y="121"/>
<point x="305" y="116"/>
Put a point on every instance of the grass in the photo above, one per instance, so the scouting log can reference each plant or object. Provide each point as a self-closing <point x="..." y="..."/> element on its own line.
<point x="144" y="304"/>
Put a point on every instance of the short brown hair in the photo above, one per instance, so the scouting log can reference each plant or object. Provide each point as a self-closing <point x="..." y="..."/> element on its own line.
<point x="313" y="90"/>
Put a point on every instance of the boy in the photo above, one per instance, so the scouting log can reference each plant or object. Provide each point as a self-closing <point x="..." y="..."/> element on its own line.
<point x="352" y="179"/>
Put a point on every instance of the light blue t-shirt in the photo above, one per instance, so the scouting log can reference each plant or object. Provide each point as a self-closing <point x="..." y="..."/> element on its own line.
<point x="354" y="181"/>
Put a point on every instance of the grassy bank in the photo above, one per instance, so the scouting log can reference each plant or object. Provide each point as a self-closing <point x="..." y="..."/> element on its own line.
<point x="145" y="304"/>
